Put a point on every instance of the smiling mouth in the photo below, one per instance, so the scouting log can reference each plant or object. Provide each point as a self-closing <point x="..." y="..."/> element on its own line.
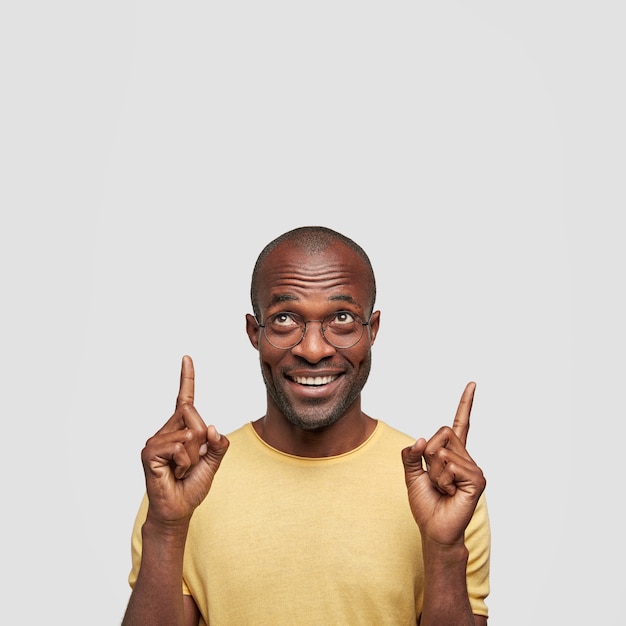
<point x="314" y="381"/>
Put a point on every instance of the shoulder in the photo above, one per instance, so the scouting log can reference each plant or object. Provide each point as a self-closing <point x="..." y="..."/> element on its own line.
<point x="393" y="436"/>
<point x="243" y="434"/>
<point x="383" y="448"/>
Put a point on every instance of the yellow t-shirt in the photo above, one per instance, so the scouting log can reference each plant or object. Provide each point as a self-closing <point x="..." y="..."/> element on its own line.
<point x="331" y="541"/>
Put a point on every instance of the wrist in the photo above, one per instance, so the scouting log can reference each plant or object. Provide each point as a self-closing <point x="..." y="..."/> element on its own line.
<point x="165" y="532"/>
<point x="450" y="555"/>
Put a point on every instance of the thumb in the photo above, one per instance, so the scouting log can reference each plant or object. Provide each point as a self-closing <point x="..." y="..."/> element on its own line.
<point x="412" y="459"/>
<point x="211" y="455"/>
<point x="216" y="444"/>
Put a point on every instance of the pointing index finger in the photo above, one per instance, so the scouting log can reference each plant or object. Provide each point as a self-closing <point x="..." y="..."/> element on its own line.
<point x="462" y="418"/>
<point x="186" y="390"/>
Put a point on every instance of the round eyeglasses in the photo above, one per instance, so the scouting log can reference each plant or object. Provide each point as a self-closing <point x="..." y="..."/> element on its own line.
<point x="285" y="330"/>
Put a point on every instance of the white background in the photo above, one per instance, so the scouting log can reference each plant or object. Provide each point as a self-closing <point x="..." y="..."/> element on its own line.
<point x="475" y="149"/>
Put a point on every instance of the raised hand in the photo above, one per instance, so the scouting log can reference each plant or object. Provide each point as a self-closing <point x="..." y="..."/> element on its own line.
<point x="443" y="481"/>
<point x="181" y="459"/>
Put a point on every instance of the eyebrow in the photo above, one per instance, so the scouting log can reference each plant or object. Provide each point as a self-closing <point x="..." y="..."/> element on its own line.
<point x="277" y="299"/>
<point x="344" y="298"/>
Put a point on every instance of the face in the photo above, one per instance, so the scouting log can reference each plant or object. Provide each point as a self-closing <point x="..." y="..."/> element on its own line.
<point x="314" y="384"/>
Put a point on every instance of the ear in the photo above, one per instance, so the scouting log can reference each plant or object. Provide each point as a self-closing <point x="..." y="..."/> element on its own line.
<point x="374" y="325"/>
<point x="253" y="329"/>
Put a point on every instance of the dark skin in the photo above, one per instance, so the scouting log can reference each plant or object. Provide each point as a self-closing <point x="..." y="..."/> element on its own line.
<point x="325" y="419"/>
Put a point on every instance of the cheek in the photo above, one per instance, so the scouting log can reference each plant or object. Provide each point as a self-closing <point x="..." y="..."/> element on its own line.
<point x="359" y="357"/>
<point x="363" y="363"/>
<point x="267" y="375"/>
<point x="270" y="360"/>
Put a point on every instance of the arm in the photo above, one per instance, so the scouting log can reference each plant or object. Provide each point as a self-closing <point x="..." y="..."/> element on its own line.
<point x="444" y="485"/>
<point x="179" y="462"/>
<point x="157" y="594"/>
<point x="445" y="591"/>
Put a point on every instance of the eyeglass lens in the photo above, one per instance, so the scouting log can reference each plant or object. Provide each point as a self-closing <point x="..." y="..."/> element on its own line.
<point x="342" y="329"/>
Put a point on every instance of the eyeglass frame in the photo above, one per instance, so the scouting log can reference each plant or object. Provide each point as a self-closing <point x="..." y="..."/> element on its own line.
<point x="363" y="324"/>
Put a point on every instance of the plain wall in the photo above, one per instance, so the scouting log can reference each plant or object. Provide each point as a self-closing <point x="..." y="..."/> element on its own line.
<point x="150" y="150"/>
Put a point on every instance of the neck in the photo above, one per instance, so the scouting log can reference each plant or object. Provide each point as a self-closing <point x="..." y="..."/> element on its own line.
<point x="345" y="435"/>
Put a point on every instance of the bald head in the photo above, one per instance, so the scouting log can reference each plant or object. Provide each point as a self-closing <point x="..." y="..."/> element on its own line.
<point x="311" y="240"/>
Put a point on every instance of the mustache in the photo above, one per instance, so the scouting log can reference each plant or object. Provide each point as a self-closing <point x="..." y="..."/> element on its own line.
<point x="313" y="367"/>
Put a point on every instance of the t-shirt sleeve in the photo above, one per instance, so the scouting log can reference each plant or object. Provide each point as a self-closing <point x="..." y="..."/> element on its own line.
<point x="135" y="541"/>
<point x="135" y="545"/>
<point x="478" y="543"/>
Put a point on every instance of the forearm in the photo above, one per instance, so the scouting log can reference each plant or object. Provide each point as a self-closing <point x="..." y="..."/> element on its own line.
<point x="446" y="602"/>
<point x="157" y="596"/>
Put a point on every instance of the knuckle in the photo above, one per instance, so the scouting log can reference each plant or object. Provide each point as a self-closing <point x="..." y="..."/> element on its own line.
<point x="438" y="454"/>
<point x="481" y="480"/>
<point x="188" y="412"/>
<point x="195" y="433"/>
<point x="184" y="404"/>
<point x="446" y="431"/>
<point x="177" y="448"/>
<point x="149" y="442"/>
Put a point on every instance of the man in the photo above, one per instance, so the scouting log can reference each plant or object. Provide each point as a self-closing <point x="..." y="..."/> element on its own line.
<point x="319" y="514"/>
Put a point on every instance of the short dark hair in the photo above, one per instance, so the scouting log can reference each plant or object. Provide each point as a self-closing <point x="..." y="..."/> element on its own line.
<point x="311" y="239"/>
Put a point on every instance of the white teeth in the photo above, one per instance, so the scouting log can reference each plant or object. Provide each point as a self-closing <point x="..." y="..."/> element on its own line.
<point x="317" y="380"/>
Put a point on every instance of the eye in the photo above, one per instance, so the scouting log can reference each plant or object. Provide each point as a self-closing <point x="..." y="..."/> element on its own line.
<point x="284" y="320"/>
<point x="343" y="317"/>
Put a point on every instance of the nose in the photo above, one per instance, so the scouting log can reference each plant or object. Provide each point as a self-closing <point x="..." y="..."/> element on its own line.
<point x="313" y="347"/>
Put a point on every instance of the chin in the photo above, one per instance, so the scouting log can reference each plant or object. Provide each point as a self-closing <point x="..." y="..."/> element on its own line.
<point x="313" y="417"/>
<point x="311" y="423"/>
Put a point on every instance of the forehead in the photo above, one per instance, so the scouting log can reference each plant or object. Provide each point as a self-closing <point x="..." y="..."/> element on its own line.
<point x="291" y="275"/>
